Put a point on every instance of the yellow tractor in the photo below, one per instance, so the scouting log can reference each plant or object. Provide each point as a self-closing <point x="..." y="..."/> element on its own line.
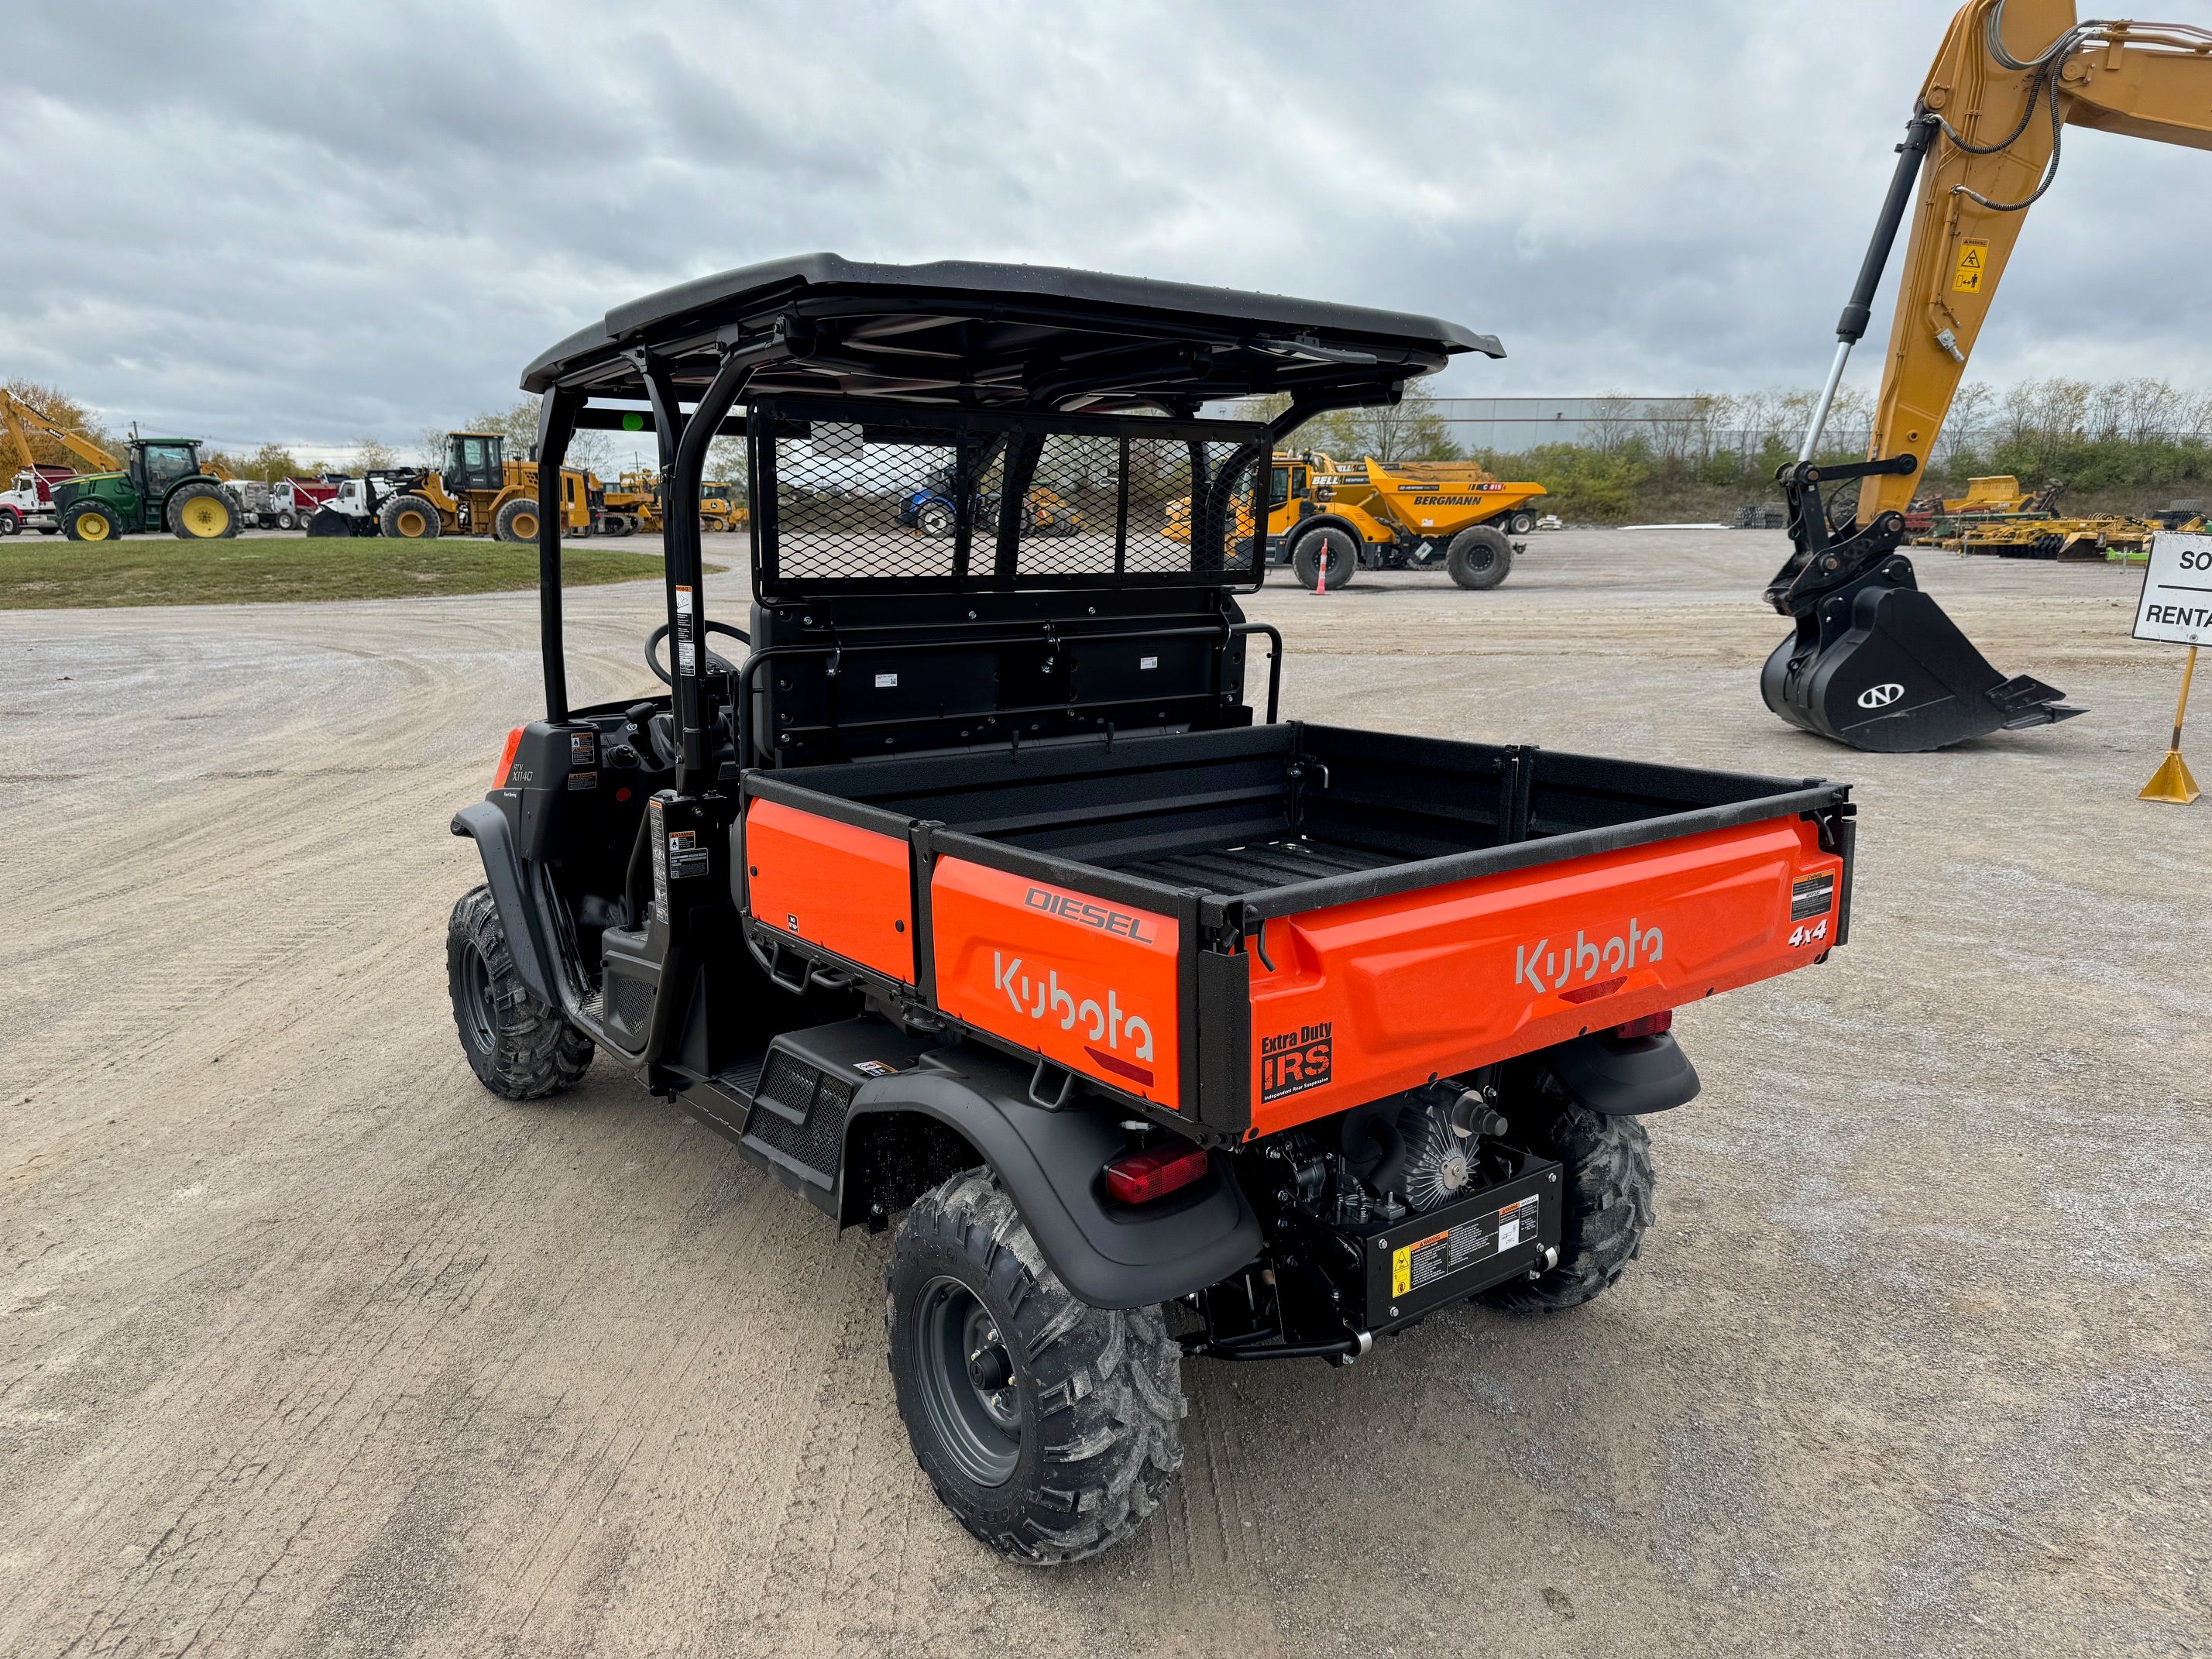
<point x="722" y="506"/>
<point x="1364" y="514"/>
<point x="479" y="492"/>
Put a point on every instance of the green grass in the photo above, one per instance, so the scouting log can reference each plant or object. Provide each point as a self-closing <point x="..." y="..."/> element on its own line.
<point x="43" y="573"/>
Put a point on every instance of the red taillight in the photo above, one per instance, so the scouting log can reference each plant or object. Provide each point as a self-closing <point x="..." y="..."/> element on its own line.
<point x="507" y="758"/>
<point x="1139" y="1177"/>
<point x="1649" y="1025"/>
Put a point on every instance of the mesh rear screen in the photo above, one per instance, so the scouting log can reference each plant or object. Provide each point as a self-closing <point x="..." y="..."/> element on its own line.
<point x="956" y="501"/>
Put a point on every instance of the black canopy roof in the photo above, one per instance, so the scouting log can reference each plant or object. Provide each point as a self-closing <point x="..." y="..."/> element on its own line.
<point x="1024" y="337"/>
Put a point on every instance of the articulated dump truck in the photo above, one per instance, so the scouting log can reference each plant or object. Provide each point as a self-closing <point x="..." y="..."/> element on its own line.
<point x="1345" y="517"/>
<point x="959" y="881"/>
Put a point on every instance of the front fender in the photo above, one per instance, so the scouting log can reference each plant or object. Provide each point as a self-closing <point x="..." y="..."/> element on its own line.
<point x="1108" y="1255"/>
<point x="486" y="825"/>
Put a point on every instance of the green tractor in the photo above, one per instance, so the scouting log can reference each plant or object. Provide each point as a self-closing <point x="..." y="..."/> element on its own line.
<point x="160" y="488"/>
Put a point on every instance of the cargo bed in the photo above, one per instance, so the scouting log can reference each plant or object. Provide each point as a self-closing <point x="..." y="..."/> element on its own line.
<point x="1254" y="928"/>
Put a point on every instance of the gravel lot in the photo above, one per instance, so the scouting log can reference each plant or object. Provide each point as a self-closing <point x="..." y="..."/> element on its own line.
<point x="309" y="1347"/>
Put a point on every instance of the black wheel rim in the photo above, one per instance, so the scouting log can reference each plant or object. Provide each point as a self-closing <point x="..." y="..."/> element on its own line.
<point x="476" y="1002"/>
<point x="969" y="1396"/>
<point x="1480" y="558"/>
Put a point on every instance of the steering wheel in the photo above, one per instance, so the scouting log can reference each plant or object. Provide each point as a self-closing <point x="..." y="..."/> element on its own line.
<point x="714" y="664"/>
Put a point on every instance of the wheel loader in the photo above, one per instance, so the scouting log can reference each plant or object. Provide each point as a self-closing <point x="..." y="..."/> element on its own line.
<point x="479" y="492"/>
<point x="971" y="888"/>
<point x="1871" y="662"/>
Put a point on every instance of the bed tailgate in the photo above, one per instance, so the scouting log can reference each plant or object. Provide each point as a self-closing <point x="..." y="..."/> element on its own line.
<point x="1368" y="997"/>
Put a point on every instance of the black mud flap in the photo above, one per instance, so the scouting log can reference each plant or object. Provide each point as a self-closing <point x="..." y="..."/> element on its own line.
<point x="1877" y="665"/>
<point x="1617" y="1076"/>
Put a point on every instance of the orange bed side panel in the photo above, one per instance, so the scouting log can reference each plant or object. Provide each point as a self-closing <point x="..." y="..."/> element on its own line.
<point x="1370" y="998"/>
<point x="1089" y="984"/>
<point x="832" y="885"/>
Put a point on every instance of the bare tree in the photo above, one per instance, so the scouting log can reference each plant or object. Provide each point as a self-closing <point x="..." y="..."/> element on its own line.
<point x="1970" y="414"/>
<point x="1610" y="422"/>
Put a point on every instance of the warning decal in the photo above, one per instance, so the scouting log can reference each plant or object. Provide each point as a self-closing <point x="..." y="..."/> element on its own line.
<point x="1974" y="266"/>
<point x="1425" y="1261"/>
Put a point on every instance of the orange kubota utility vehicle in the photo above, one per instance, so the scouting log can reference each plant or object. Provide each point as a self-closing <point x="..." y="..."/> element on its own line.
<point x="970" y="896"/>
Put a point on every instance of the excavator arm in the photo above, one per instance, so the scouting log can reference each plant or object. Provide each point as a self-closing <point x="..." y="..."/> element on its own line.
<point x="2011" y="77"/>
<point x="17" y="416"/>
<point x="1983" y="145"/>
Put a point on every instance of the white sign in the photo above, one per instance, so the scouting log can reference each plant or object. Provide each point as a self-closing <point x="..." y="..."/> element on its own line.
<point x="2177" y="591"/>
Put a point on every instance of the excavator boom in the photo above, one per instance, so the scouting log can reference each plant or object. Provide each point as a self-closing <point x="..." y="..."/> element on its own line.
<point x="1873" y="662"/>
<point x="16" y="416"/>
<point x="1997" y="132"/>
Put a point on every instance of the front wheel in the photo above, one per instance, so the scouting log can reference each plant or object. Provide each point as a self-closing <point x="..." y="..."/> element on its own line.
<point x="519" y="1048"/>
<point x="91" y="522"/>
<point x="1479" y="557"/>
<point x="935" y="520"/>
<point x="1606" y="1206"/>
<point x="10" y="521"/>
<point x="517" y="522"/>
<point x="1328" y="549"/>
<point x="1050" y="1429"/>
<point x="1521" y="524"/>
<point x="409" y="517"/>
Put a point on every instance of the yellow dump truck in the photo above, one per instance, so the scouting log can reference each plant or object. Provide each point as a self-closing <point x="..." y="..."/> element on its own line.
<point x="1346" y="517"/>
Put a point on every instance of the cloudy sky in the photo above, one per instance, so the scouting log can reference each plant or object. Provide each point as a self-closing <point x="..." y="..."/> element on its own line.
<point x="316" y="224"/>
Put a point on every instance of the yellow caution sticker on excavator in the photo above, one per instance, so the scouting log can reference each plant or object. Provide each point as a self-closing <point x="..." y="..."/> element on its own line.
<point x="1973" y="266"/>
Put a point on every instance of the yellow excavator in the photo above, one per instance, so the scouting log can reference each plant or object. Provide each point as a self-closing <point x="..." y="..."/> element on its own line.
<point x="1873" y="662"/>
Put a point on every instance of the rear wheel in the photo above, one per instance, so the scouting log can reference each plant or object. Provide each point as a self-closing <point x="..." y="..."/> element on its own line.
<point x="1520" y="524"/>
<point x="517" y="522"/>
<point x="519" y="1048"/>
<point x="1331" y="547"/>
<point x="410" y="518"/>
<point x="286" y="521"/>
<point x="91" y="522"/>
<point x="1479" y="557"/>
<point x="1050" y="1429"/>
<point x="202" y="513"/>
<point x="1606" y="1204"/>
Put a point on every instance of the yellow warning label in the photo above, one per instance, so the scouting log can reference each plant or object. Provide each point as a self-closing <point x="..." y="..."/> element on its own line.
<point x="1401" y="1264"/>
<point x="1974" y="266"/>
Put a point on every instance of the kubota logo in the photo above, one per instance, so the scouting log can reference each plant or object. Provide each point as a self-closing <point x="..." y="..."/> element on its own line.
<point x="1542" y="968"/>
<point x="1881" y="696"/>
<point x="1047" y="998"/>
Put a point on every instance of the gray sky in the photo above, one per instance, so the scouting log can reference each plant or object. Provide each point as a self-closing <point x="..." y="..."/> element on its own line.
<point x="299" y="224"/>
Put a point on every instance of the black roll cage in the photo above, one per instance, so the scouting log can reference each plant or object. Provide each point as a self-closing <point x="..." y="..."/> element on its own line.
<point x="955" y="340"/>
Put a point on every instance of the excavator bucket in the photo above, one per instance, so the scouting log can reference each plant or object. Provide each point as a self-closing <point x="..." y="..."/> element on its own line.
<point x="1880" y="667"/>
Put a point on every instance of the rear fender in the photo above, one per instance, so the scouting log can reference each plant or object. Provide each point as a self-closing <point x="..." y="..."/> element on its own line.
<point x="1624" y="1078"/>
<point x="1109" y="1255"/>
<point x="484" y="824"/>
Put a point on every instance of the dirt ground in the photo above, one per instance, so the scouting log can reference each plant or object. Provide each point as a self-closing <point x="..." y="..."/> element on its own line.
<point x="309" y="1347"/>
